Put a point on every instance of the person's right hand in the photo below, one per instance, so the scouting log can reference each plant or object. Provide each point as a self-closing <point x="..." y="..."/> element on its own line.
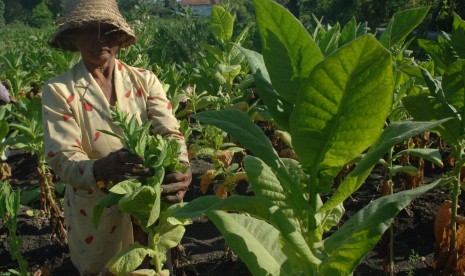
<point x="120" y="165"/>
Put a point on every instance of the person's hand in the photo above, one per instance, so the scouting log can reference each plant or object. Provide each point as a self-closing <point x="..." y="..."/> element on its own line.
<point x="120" y="165"/>
<point x="175" y="185"/>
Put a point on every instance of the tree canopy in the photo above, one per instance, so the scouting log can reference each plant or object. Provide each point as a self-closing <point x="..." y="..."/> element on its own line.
<point x="38" y="13"/>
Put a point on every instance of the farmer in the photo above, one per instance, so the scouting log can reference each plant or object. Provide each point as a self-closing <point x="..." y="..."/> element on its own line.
<point x="77" y="105"/>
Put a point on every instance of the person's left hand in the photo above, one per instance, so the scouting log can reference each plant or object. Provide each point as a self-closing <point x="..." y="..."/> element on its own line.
<point x="175" y="185"/>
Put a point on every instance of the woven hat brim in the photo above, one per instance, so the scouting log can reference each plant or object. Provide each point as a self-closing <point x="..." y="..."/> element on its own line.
<point x="61" y="39"/>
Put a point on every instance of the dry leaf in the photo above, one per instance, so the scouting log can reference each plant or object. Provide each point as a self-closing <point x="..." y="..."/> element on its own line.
<point x="225" y="156"/>
<point x="206" y="179"/>
<point x="42" y="271"/>
<point x="386" y="187"/>
<point x="288" y="153"/>
<point x="190" y="153"/>
<point x="5" y="171"/>
<point x="232" y="180"/>
<point x="461" y="249"/>
<point x="445" y="258"/>
<point x="221" y="191"/>
<point x="442" y="220"/>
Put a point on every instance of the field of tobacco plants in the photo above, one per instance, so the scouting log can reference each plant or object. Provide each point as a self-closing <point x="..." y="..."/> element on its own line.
<point x="324" y="151"/>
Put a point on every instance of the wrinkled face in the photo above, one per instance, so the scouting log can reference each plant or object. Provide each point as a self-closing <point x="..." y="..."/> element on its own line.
<point x="97" y="43"/>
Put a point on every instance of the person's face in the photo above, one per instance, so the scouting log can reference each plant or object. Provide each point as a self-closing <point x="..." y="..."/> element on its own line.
<point x="97" y="43"/>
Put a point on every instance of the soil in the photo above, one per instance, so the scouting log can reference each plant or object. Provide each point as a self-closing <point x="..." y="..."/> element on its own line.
<point x="205" y="252"/>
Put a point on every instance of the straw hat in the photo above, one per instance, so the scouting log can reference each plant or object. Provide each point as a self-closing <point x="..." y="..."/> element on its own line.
<point x="78" y="13"/>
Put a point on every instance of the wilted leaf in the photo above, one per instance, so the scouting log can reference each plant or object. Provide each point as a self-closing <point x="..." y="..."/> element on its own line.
<point x="445" y="260"/>
<point x="225" y="156"/>
<point x="206" y="179"/>
<point x="221" y="191"/>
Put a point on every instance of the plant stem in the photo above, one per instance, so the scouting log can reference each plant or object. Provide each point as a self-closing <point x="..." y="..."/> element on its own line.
<point x="15" y="244"/>
<point x="391" y="227"/>
<point x="153" y="236"/>
<point x="49" y="205"/>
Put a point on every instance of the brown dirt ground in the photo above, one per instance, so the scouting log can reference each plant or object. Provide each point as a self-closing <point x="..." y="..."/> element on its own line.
<point x="205" y="249"/>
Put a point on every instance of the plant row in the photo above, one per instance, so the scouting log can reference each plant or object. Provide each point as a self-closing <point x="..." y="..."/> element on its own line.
<point x="304" y="120"/>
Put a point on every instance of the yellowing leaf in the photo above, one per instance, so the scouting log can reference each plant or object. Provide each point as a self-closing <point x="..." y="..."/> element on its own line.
<point x="29" y="212"/>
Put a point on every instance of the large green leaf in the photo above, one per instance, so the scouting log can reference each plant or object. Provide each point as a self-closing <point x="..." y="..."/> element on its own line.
<point x="393" y="134"/>
<point x="3" y="130"/>
<point x="401" y="25"/>
<point x="359" y="235"/>
<point x="240" y="126"/>
<point x="128" y="259"/>
<point x="432" y="155"/>
<point x="107" y="200"/>
<point x="258" y="207"/>
<point x="440" y="52"/>
<point x="142" y="204"/>
<point x="423" y="107"/>
<point x="255" y="241"/>
<point x="276" y="105"/>
<point x="222" y="23"/>
<point x="266" y="184"/>
<point x="125" y="187"/>
<point x="343" y="107"/>
<point x="170" y="230"/>
<point x="214" y="51"/>
<point x="349" y="32"/>
<point x="288" y="50"/>
<point x="328" y="39"/>
<point x="457" y="38"/>
<point x="453" y="85"/>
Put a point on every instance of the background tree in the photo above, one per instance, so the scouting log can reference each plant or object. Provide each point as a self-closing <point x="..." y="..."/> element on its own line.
<point x="14" y="12"/>
<point x="55" y="6"/>
<point x="41" y="16"/>
<point x="442" y="13"/>
<point x="2" y="12"/>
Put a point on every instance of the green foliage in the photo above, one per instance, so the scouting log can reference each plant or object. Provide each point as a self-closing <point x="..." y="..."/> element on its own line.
<point x="141" y="198"/>
<point x="444" y="97"/>
<point x="2" y="13"/>
<point x="243" y="11"/>
<point x="9" y="207"/>
<point x="28" y="130"/>
<point x="135" y="137"/>
<point x="401" y="25"/>
<point x="27" y="61"/>
<point x="55" y="6"/>
<point x="334" y="109"/>
<point x="178" y="39"/>
<point x="41" y="16"/>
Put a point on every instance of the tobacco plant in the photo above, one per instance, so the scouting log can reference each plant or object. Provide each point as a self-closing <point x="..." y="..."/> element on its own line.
<point x="213" y="144"/>
<point x="444" y="97"/>
<point x="228" y="56"/>
<point x="397" y="37"/>
<point x="9" y="207"/>
<point x="141" y="198"/>
<point x="334" y="108"/>
<point x="28" y="135"/>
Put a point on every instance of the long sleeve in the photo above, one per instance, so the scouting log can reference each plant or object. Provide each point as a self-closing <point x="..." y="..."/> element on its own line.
<point x="63" y="138"/>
